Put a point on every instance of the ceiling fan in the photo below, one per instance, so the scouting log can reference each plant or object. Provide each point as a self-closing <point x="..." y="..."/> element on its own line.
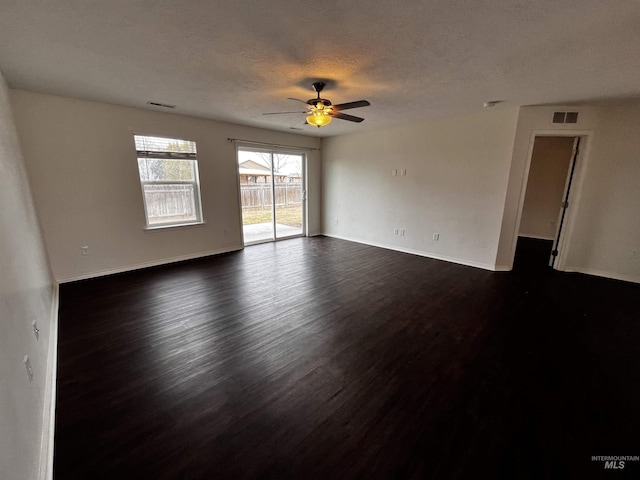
<point x="320" y="111"/>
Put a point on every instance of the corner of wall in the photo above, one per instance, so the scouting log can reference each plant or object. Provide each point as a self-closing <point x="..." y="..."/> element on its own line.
<point x="28" y="308"/>
<point x="48" y="428"/>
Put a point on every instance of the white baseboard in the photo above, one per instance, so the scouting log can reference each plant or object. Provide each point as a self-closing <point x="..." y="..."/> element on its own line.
<point x="49" y="413"/>
<point x="600" y="273"/>
<point x="155" y="263"/>
<point x="459" y="261"/>
<point x="503" y="268"/>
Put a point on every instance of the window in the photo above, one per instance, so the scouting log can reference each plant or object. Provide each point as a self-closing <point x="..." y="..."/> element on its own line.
<point x="169" y="179"/>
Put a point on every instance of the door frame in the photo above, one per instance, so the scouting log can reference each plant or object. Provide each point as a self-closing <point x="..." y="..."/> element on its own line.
<point x="564" y="242"/>
<point x="273" y="150"/>
<point x="566" y="193"/>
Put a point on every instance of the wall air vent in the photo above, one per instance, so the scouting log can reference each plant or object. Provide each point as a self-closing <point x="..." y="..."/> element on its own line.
<point x="565" y="117"/>
<point x="163" y="105"/>
<point x="572" y="117"/>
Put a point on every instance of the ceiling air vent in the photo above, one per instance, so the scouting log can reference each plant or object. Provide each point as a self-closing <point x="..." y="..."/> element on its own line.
<point x="565" y="117"/>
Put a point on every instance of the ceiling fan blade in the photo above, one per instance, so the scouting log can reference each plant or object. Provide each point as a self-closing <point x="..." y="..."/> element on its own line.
<point x="280" y="113"/>
<point x="344" y="116"/>
<point x="297" y="100"/>
<point x="357" y="104"/>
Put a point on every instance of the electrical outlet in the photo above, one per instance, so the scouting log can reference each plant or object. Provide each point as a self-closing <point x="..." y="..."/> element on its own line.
<point x="403" y="172"/>
<point x="436" y="237"/>
<point x="27" y="365"/>
<point x="635" y="254"/>
<point x="396" y="231"/>
<point x="85" y="250"/>
<point x="336" y="221"/>
<point x="225" y="232"/>
<point x="36" y="330"/>
<point x="402" y="232"/>
<point x="394" y="172"/>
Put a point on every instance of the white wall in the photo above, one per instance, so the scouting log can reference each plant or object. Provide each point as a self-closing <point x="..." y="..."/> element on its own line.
<point x="545" y="186"/>
<point x="606" y="231"/>
<point x="83" y="170"/>
<point x="603" y="230"/>
<point x="534" y="121"/>
<point x="455" y="185"/>
<point x="27" y="293"/>
<point x="465" y="180"/>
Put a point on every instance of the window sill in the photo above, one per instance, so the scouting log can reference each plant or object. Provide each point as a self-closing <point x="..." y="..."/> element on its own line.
<point x="177" y="225"/>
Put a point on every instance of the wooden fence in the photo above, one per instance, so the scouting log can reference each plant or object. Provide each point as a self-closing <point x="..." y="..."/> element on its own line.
<point x="167" y="203"/>
<point x="258" y="196"/>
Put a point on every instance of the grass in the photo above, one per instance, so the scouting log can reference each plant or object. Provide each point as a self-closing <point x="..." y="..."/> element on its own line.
<point x="291" y="216"/>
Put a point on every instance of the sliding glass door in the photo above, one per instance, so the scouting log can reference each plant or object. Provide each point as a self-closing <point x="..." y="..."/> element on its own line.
<point x="272" y="192"/>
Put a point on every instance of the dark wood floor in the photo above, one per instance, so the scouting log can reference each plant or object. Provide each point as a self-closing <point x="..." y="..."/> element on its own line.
<point x="323" y="359"/>
<point x="532" y="255"/>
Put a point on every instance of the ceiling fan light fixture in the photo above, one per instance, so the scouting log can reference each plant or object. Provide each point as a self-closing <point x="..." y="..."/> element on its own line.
<point x="321" y="111"/>
<point x="319" y="119"/>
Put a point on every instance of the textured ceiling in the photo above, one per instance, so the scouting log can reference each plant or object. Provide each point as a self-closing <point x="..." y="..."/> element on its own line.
<point x="232" y="60"/>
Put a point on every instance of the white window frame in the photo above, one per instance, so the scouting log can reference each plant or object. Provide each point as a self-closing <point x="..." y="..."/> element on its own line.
<point x="170" y="155"/>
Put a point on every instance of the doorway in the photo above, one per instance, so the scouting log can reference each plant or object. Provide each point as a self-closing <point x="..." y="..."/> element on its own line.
<point x="543" y="216"/>
<point x="272" y="194"/>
